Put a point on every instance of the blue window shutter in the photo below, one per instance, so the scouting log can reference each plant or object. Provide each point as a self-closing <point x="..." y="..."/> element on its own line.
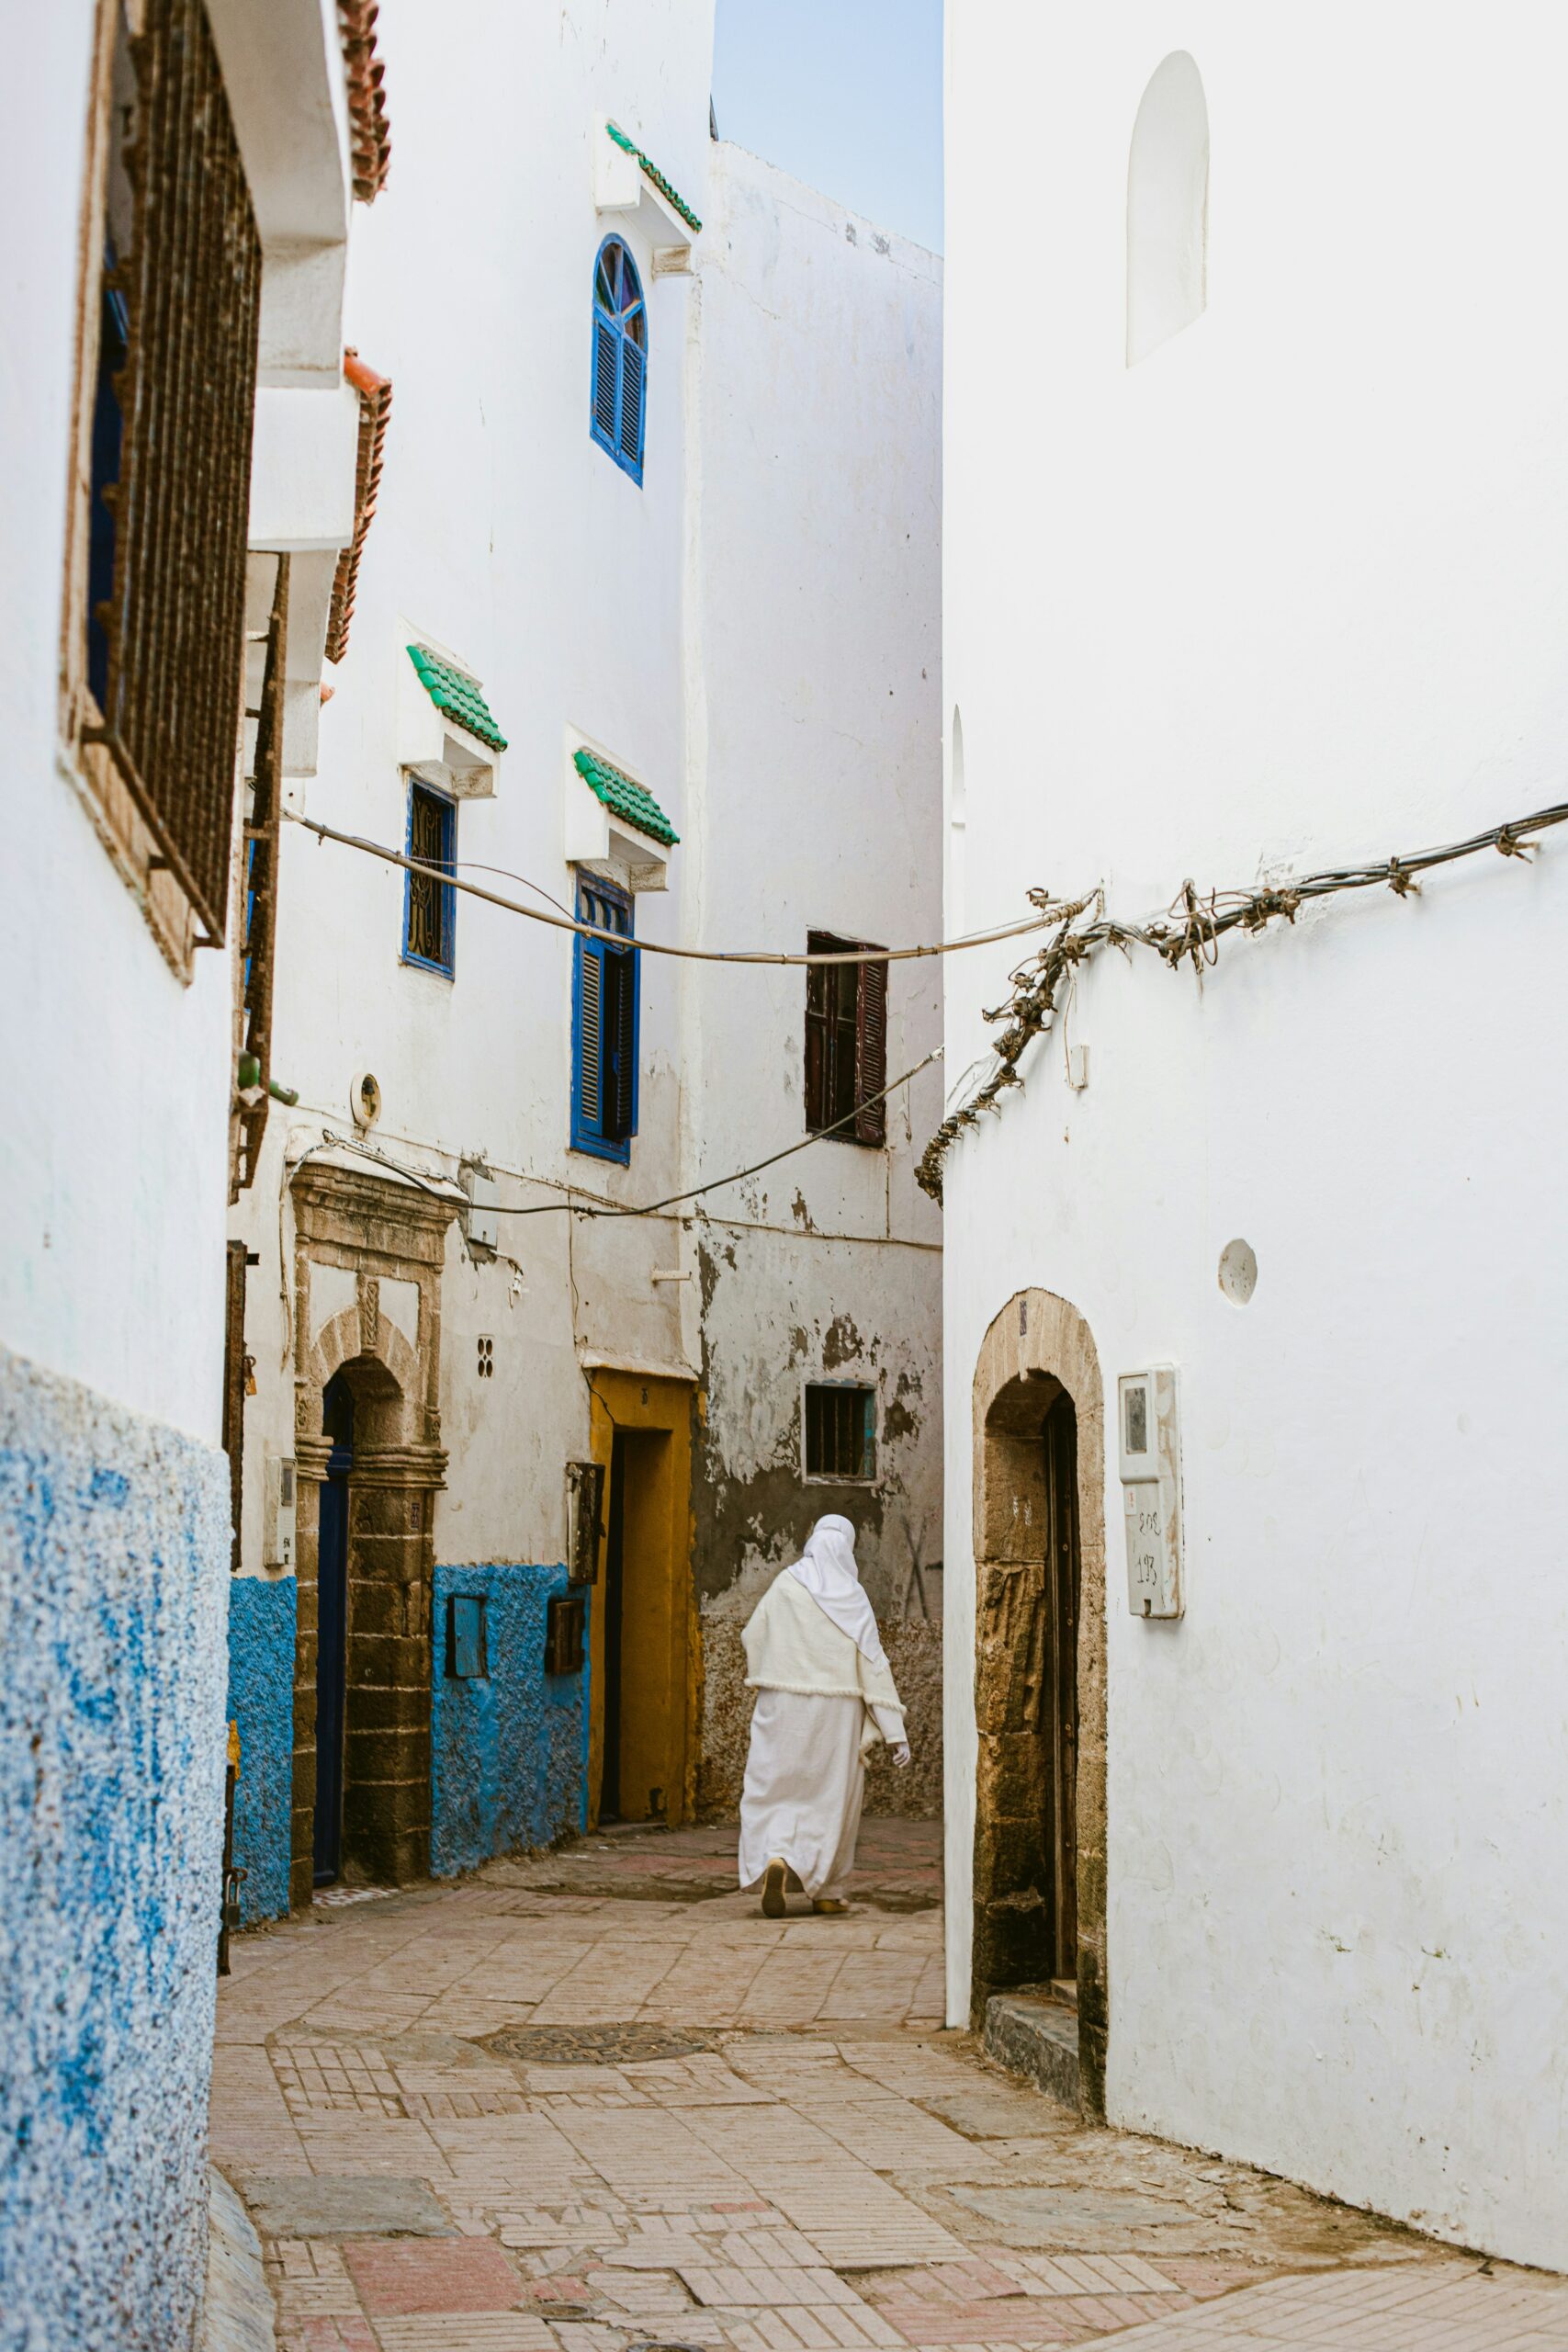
<point x="604" y="1030"/>
<point x="606" y="358"/>
<point x="618" y="383"/>
<point x="633" y="378"/>
<point x="590" y="1036"/>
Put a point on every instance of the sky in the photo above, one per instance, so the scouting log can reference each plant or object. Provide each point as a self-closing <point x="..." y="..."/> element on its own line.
<point x="845" y="94"/>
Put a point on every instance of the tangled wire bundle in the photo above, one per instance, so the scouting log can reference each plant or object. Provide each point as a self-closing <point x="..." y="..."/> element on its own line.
<point x="1192" y="935"/>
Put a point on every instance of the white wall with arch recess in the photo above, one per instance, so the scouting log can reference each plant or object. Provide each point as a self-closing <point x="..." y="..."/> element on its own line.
<point x="1167" y="207"/>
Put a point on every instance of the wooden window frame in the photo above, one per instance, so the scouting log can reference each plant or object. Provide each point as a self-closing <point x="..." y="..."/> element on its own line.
<point x="846" y="1053"/>
<point x="86" y="759"/>
<point x="866" y="1392"/>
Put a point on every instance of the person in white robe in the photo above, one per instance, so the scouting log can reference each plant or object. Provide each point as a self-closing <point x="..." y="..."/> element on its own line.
<point x="825" y="1699"/>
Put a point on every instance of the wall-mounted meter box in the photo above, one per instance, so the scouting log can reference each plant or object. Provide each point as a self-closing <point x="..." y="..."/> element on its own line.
<point x="277" y="1535"/>
<point x="1149" y="1451"/>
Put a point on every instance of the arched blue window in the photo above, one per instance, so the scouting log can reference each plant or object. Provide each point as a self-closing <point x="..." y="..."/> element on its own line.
<point x="620" y="358"/>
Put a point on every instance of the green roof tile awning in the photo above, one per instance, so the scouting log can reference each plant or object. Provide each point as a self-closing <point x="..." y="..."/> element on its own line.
<point x="651" y="172"/>
<point x="454" y="693"/>
<point x="625" y="798"/>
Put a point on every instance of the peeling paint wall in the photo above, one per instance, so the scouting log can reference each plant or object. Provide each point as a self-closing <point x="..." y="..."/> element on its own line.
<point x="260" y="1702"/>
<point x="817" y="770"/>
<point x="113" y="1551"/>
<point x="508" y="1749"/>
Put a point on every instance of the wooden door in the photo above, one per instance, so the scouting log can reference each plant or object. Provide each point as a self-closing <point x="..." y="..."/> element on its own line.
<point x="1062" y="1704"/>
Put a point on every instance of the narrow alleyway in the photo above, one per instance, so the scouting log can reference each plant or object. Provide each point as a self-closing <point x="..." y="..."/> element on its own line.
<point x="596" y="2101"/>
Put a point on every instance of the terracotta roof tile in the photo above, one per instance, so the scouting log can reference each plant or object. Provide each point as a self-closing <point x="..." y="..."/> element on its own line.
<point x="369" y="136"/>
<point x="374" y="408"/>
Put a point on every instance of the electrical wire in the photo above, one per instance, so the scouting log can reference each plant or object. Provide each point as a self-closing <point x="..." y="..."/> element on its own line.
<point x="1039" y="921"/>
<point x="1195" y="939"/>
<point x="432" y="1180"/>
<point x="715" y="1183"/>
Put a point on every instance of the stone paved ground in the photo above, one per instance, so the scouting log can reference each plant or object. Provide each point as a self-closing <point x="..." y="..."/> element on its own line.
<point x="789" y="2156"/>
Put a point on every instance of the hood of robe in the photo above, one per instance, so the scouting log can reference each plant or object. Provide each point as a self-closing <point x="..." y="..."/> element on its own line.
<point x="826" y="1568"/>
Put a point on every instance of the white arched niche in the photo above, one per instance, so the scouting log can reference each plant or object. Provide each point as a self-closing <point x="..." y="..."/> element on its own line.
<point x="957" y="826"/>
<point x="1167" y="207"/>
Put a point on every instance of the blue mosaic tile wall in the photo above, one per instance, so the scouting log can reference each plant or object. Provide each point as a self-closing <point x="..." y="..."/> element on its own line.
<point x="260" y="1700"/>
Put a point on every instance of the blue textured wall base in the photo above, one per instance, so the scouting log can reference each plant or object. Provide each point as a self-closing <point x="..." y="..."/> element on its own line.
<point x="509" y="1753"/>
<point x="260" y="1700"/>
<point x="114" y="1570"/>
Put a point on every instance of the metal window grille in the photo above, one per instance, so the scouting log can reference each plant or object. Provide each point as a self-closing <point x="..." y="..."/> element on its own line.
<point x="173" y="619"/>
<point x="430" y="909"/>
<point x="846" y="1043"/>
<point x="840" y="1430"/>
<point x="260" y="887"/>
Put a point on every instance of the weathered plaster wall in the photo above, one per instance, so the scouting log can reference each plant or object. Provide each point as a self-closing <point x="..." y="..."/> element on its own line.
<point x="509" y="1749"/>
<point x="814" y="766"/>
<point x="260" y="1700"/>
<point x="914" y="1652"/>
<point x="114" y="1549"/>
<point x="1291" y="592"/>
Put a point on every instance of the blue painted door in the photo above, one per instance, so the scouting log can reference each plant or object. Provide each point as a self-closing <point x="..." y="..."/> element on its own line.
<point x="332" y="1637"/>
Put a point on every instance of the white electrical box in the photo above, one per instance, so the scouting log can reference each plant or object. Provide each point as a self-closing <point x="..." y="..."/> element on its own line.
<point x="278" y="1533"/>
<point x="1149" y="1447"/>
<point x="482" y="1221"/>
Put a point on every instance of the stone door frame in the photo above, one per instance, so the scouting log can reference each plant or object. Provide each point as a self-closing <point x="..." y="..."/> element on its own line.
<point x="378" y="1230"/>
<point x="1037" y="1347"/>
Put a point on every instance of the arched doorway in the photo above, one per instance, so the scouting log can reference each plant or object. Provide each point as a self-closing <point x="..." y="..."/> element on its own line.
<point x="1040" y="1668"/>
<point x="332" y="1627"/>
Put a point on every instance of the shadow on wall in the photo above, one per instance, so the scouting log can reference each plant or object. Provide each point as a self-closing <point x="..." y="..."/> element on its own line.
<point x="914" y="1652"/>
<point x="509" y="1746"/>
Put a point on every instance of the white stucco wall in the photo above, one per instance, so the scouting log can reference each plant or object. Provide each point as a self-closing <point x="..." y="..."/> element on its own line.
<point x="116" y="1076"/>
<point x="1290" y="592"/>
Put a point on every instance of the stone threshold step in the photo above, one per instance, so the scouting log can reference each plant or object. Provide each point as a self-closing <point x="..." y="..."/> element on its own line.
<point x="1038" y="2039"/>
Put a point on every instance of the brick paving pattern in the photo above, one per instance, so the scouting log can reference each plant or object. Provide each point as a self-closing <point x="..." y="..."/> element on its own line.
<point x="834" y="2174"/>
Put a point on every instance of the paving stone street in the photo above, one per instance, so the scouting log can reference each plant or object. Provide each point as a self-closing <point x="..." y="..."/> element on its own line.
<point x="594" y="2101"/>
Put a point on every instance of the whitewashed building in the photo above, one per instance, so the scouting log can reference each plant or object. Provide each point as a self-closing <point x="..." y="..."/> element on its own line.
<point x="1255" y="566"/>
<point x="643" y="633"/>
<point x="179" y="180"/>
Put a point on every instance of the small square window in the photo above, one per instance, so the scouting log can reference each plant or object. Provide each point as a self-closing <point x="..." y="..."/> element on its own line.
<point x="468" y="1645"/>
<point x="430" y="906"/>
<point x="840" y="1431"/>
<point x="565" y="1620"/>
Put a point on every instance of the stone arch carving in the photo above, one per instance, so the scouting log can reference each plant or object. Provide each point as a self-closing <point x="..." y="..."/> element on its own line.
<point x="1036" y="1351"/>
<point x="382" y="1245"/>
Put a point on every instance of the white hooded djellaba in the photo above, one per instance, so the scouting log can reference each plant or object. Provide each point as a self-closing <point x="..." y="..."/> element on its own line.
<point x="825" y="1697"/>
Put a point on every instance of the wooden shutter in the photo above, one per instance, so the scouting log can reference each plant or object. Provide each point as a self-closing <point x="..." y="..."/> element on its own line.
<point x="871" y="1052"/>
<point x="633" y="378"/>
<point x="605" y="360"/>
<point x="620" y="1046"/>
<point x="819" y="979"/>
<point x="590" y="1091"/>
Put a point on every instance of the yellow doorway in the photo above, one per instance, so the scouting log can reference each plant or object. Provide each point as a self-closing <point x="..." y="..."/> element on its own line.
<point x="643" y="1640"/>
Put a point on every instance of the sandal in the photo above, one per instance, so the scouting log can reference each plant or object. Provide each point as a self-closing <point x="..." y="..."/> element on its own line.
<point x="773" y="1882"/>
